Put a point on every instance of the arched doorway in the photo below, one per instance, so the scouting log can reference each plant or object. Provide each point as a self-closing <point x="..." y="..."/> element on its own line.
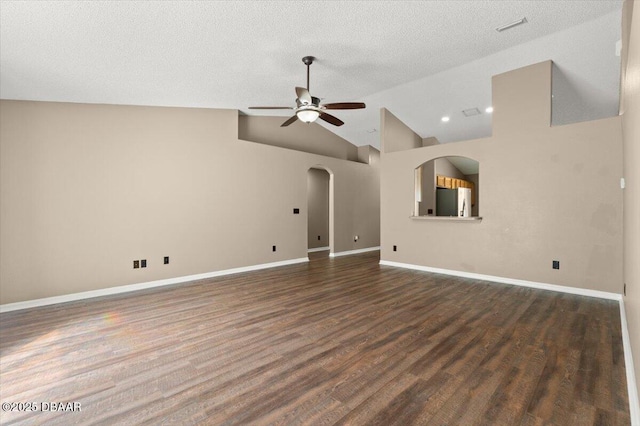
<point x="319" y="210"/>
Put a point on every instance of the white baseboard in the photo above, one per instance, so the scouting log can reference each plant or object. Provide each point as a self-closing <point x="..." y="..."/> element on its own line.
<point x="313" y="250"/>
<point x="523" y="283"/>
<point x="141" y="286"/>
<point x="632" y="388"/>
<point x="346" y="253"/>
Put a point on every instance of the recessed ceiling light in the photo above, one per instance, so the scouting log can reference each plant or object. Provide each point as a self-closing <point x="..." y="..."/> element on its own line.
<point x="512" y="24"/>
<point x="445" y="119"/>
<point x="489" y="110"/>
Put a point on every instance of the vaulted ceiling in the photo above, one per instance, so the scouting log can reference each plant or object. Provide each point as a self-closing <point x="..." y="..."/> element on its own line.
<point x="422" y="60"/>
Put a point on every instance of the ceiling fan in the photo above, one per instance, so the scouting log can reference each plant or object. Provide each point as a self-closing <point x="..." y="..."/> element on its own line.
<point x="308" y="108"/>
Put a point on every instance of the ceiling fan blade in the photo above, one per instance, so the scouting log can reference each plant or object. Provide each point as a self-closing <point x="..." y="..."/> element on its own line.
<point x="271" y="107"/>
<point x="289" y="121"/>
<point x="331" y="119"/>
<point x="303" y="95"/>
<point x="344" y="105"/>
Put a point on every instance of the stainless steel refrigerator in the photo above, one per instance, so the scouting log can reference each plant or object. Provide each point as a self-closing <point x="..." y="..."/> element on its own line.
<point x="453" y="202"/>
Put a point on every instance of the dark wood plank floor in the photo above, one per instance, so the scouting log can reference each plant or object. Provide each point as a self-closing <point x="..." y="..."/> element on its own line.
<point x="334" y="341"/>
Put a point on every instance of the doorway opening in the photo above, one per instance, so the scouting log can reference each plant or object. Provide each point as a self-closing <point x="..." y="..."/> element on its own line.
<point x="319" y="211"/>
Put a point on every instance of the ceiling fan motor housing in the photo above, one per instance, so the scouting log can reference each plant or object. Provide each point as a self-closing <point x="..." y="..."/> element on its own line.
<point x="314" y="102"/>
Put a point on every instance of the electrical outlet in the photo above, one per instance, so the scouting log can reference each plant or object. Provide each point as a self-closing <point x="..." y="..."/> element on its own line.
<point x="624" y="289"/>
<point x="143" y="263"/>
<point x="395" y="248"/>
<point x="136" y="264"/>
<point x="296" y="211"/>
<point x="556" y="264"/>
<point x="273" y="248"/>
<point x="166" y="260"/>
<point x="318" y="237"/>
<point x="356" y="238"/>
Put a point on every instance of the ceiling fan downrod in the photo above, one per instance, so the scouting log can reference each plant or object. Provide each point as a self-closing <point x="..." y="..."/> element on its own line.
<point x="308" y="60"/>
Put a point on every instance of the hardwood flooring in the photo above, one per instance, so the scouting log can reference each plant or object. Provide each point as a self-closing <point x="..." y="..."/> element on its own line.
<point x="335" y="341"/>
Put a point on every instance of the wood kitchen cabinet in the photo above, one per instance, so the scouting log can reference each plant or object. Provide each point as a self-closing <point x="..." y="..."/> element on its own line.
<point x="453" y="183"/>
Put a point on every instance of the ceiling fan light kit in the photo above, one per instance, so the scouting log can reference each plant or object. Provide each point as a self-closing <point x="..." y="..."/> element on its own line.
<point x="308" y="108"/>
<point x="308" y="115"/>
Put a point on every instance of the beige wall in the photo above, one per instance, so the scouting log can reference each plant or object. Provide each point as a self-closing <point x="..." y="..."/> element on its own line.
<point x="521" y="101"/>
<point x="364" y="153"/>
<point x="631" y="160"/>
<point x="86" y="189"/>
<point x="318" y="208"/>
<point x="428" y="188"/>
<point x="548" y="193"/>
<point x="395" y="136"/>
<point x="430" y="141"/>
<point x="312" y="138"/>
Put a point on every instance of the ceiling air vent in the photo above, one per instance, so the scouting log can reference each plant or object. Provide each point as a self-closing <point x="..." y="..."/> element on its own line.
<point x="512" y="24"/>
<point x="471" y="112"/>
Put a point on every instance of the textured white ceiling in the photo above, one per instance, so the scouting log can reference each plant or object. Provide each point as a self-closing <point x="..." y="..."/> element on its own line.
<point x="420" y="59"/>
